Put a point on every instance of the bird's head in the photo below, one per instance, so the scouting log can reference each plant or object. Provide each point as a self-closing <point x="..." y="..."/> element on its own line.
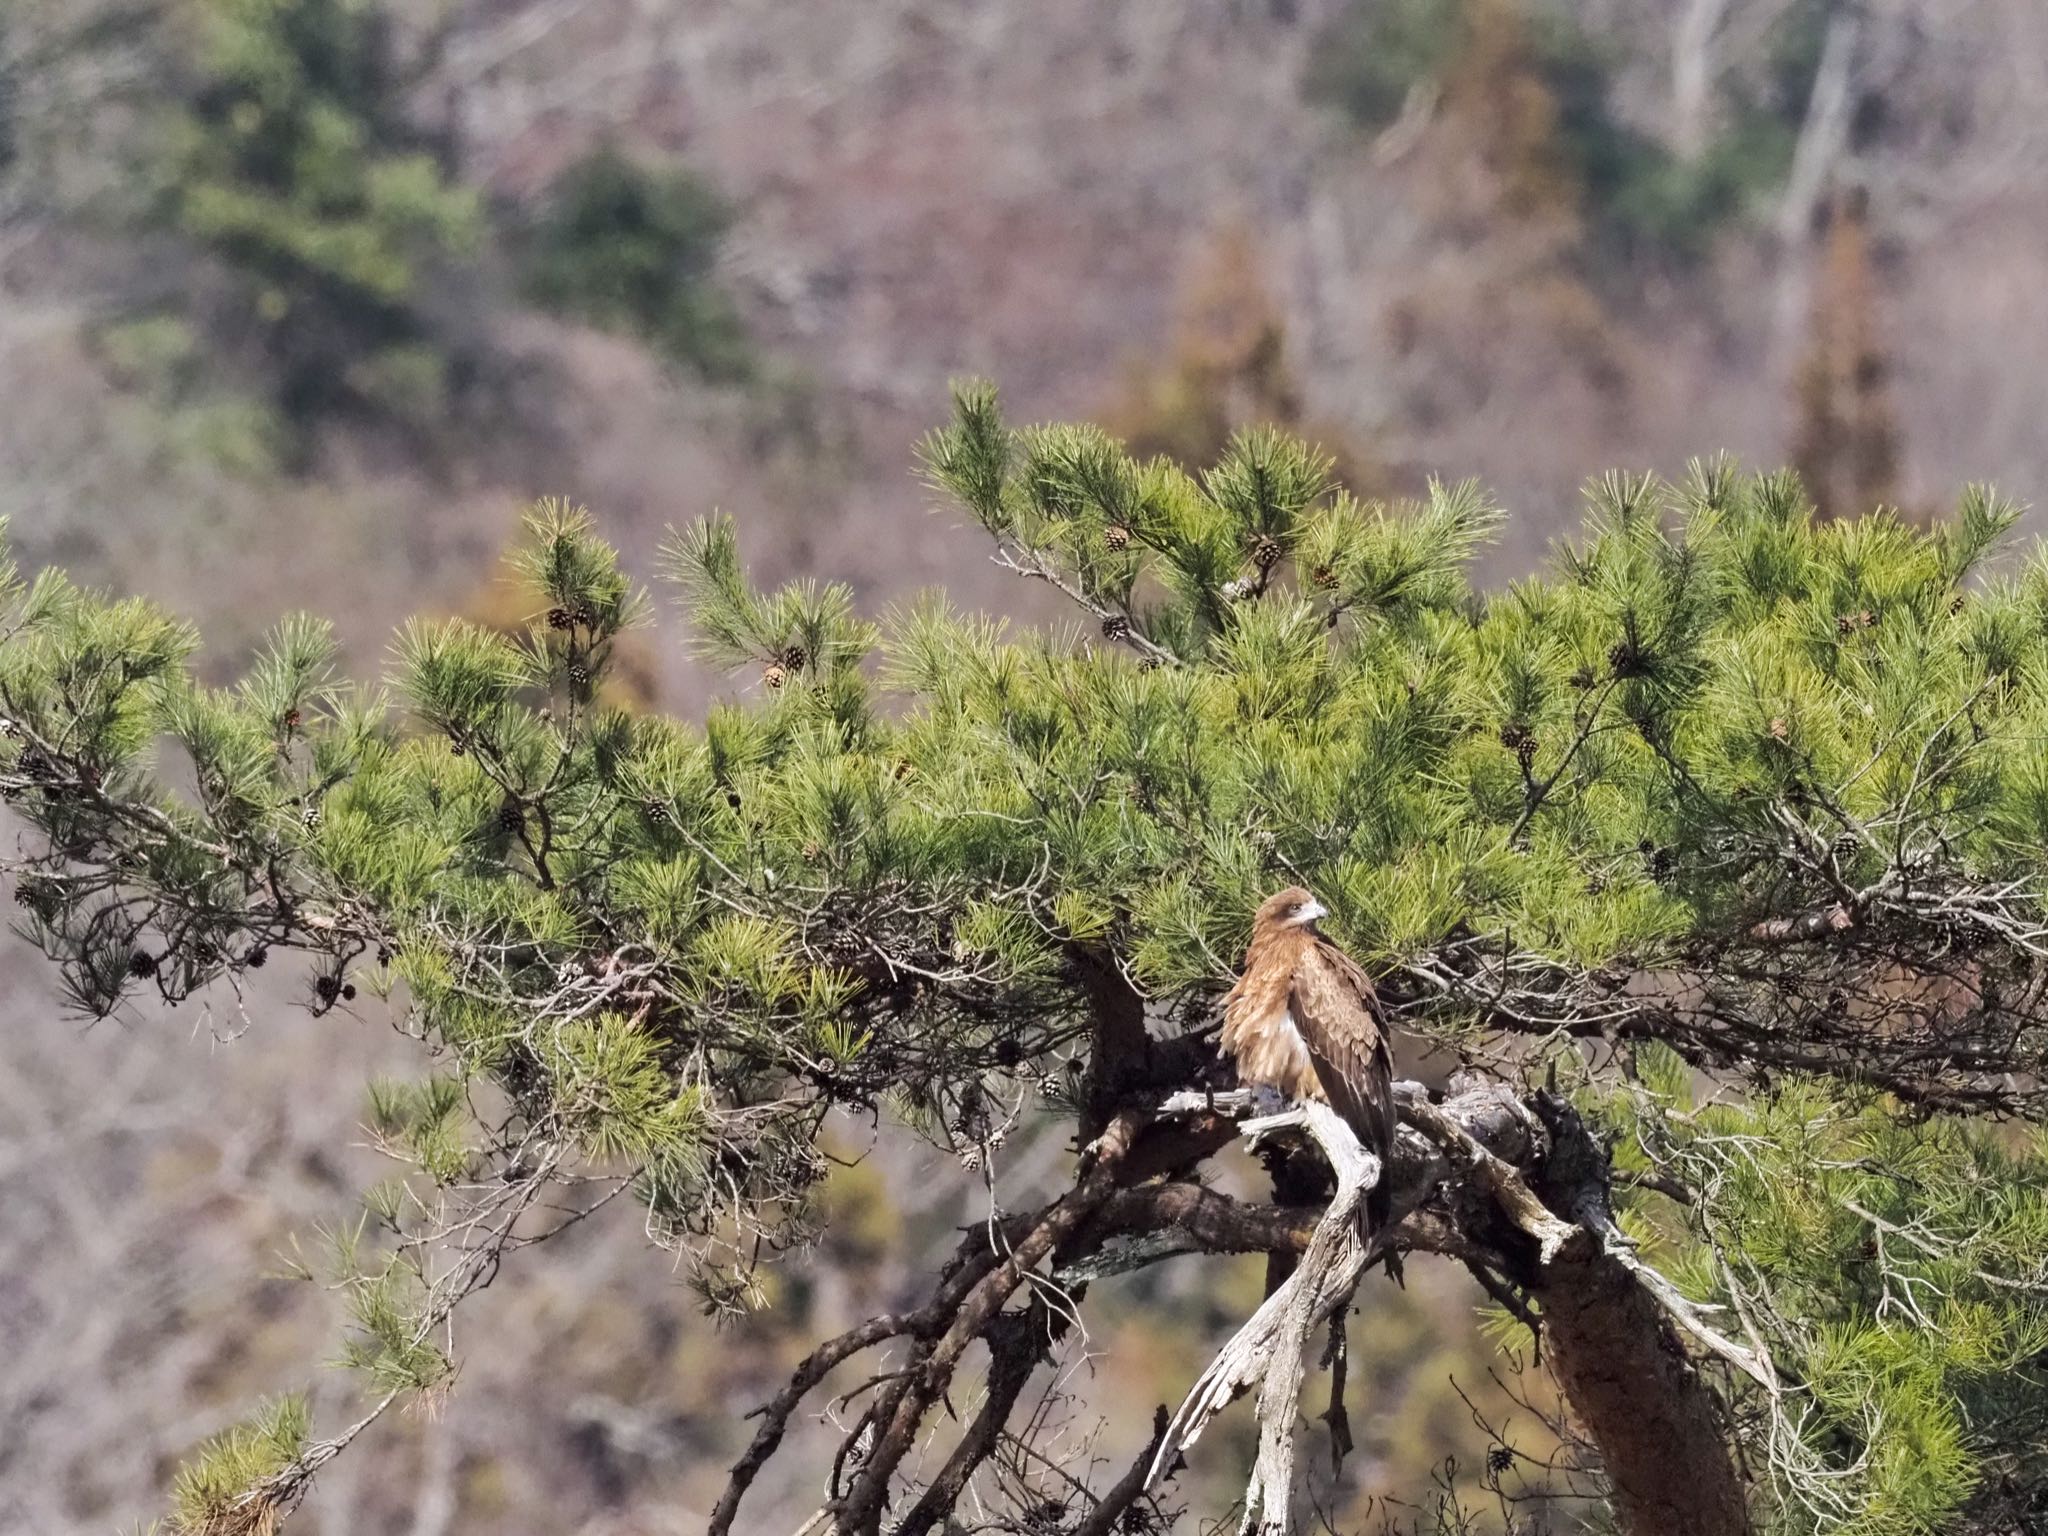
<point x="1291" y="908"/>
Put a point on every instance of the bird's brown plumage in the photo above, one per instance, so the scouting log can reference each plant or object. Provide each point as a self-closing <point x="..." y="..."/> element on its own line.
<point x="1303" y="1019"/>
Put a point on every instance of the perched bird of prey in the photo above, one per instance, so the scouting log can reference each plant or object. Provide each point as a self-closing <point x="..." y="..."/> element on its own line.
<point x="1303" y="1019"/>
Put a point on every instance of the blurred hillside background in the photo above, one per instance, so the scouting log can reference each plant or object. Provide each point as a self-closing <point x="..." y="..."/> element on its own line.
<point x="302" y="300"/>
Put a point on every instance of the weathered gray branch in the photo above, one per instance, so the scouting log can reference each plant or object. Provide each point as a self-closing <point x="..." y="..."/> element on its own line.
<point x="1540" y="1180"/>
<point x="1270" y="1350"/>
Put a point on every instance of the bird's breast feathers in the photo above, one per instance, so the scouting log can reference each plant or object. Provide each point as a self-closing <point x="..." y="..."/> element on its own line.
<point x="1263" y="1025"/>
<point x="1270" y="1048"/>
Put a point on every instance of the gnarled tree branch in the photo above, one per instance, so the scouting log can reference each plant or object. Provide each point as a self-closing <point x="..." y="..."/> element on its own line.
<point x="1269" y="1351"/>
<point x="1518" y="1187"/>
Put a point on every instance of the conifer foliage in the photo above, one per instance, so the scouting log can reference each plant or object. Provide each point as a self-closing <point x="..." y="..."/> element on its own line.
<point x="291" y="161"/>
<point x="1714" y="855"/>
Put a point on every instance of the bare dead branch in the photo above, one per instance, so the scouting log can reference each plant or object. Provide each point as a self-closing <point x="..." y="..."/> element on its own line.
<point x="1268" y="1351"/>
<point x="901" y="1409"/>
<point x="1129" y="1488"/>
<point x="1016" y="1343"/>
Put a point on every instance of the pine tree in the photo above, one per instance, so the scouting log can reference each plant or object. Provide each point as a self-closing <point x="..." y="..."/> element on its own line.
<point x="1714" y="853"/>
<point x="290" y="160"/>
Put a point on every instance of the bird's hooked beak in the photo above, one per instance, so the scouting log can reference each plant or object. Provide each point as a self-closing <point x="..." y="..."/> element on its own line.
<point x="1307" y="914"/>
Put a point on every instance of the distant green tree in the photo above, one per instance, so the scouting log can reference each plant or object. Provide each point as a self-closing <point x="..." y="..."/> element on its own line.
<point x="1638" y="196"/>
<point x="1374" y="56"/>
<point x="630" y="246"/>
<point x="291" y="160"/>
<point x="1715" y="855"/>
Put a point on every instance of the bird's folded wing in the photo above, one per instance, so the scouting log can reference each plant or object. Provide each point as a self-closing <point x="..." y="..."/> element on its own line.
<point x="1333" y="1005"/>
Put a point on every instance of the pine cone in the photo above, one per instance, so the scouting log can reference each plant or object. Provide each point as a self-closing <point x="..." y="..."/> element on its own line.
<point x="1117" y="537"/>
<point x="292" y="719"/>
<point x="1265" y="552"/>
<point x="582" y="614"/>
<point x="255" y="957"/>
<point x="794" y="658"/>
<point x="1626" y="659"/>
<point x="1323" y="577"/>
<point x="1499" y="1459"/>
<point x="657" y="813"/>
<point x="327" y="988"/>
<point x="1958" y="603"/>
<point x="558" y="618"/>
<point x="579" y="674"/>
<point x="1116" y="627"/>
<point x="311" y="814"/>
<point x="142" y="963"/>
<point x="775" y="675"/>
<point x="348" y="991"/>
<point x="1514" y="734"/>
<point x="511" y="816"/>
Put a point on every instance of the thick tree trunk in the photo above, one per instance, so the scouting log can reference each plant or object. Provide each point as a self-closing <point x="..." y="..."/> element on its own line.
<point x="1118" y="1047"/>
<point x="1615" y="1351"/>
<point x="1636" y="1393"/>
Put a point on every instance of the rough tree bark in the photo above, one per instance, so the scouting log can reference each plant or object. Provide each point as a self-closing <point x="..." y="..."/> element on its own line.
<point x="1623" y="1367"/>
<point x="1639" y="1398"/>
